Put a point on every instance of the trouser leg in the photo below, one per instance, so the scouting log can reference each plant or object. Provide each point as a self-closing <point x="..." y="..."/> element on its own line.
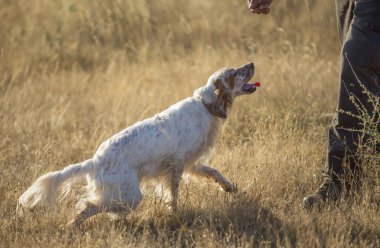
<point x="360" y="71"/>
<point x="344" y="13"/>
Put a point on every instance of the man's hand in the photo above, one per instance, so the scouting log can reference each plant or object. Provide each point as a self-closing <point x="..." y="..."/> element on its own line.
<point x="259" y="6"/>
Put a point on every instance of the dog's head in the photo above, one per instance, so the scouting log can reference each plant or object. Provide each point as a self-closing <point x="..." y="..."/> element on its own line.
<point x="224" y="86"/>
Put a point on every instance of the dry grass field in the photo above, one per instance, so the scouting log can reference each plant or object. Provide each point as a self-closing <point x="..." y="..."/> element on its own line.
<point x="72" y="73"/>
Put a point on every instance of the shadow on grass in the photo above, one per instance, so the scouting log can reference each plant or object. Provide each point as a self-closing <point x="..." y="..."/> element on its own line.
<point x="239" y="222"/>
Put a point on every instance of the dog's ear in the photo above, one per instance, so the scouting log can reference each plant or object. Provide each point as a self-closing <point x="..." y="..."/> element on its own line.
<point x="222" y="100"/>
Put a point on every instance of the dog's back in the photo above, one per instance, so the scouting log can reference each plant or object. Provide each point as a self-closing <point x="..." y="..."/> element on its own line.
<point x="174" y="136"/>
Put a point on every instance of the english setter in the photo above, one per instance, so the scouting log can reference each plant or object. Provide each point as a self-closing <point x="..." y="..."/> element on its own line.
<point x="162" y="147"/>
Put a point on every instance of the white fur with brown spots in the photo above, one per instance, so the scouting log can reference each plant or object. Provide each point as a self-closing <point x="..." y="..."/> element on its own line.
<point x="158" y="149"/>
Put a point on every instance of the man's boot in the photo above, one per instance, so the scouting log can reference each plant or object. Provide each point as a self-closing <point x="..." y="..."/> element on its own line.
<point x="329" y="190"/>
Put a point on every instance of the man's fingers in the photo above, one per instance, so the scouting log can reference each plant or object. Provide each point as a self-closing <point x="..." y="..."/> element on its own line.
<point x="260" y="11"/>
<point x="255" y="11"/>
<point x="259" y="6"/>
<point x="263" y="7"/>
<point x="253" y="4"/>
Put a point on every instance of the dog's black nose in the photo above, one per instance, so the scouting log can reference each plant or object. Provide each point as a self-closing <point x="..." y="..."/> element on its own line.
<point x="250" y="66"/>
<point x="248" y="70"/>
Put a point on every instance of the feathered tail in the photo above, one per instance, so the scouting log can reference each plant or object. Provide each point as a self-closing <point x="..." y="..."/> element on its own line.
<point x="44" y="191"/>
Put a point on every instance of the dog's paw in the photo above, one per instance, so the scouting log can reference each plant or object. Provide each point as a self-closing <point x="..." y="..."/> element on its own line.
<point x="172" y="207"/>
<point x="230" y="187"/>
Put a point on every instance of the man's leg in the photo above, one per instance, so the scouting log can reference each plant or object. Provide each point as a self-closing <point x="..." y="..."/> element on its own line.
<point x="360" y="68"/>
<point x="344" y="13"/>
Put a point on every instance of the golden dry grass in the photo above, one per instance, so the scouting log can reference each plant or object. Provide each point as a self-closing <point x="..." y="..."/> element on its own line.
<point x="72" y="73"/>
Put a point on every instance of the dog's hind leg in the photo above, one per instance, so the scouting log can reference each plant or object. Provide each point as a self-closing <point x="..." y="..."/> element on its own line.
<point x="129" y="199"/>
<point x="126" y="197"/>
<point x="84" y="213"/>
<point x="114" y="199"/>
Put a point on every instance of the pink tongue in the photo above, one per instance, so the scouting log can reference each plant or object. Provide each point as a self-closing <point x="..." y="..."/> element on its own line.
<point x="249" y="86"/>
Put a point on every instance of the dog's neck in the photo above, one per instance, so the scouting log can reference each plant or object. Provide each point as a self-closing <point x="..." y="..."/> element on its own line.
<point x="207" y="95"/>
<point x="211" y="110"/>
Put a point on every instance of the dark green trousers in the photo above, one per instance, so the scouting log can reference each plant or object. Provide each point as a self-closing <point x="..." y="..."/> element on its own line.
<point x="359" y="28"/>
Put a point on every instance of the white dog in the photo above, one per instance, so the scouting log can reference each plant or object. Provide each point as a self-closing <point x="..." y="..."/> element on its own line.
<point x="162" y="147"/>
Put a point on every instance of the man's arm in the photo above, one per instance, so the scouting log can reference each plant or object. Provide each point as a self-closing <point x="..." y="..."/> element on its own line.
<point x="259" y="6"/>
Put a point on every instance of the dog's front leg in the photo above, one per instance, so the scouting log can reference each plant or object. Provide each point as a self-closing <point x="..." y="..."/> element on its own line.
<point x="204" y="171"/>
<point x="175" y="178"/>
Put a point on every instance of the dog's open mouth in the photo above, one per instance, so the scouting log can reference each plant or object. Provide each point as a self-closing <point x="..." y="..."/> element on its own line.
<point x="249" y="88"/>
